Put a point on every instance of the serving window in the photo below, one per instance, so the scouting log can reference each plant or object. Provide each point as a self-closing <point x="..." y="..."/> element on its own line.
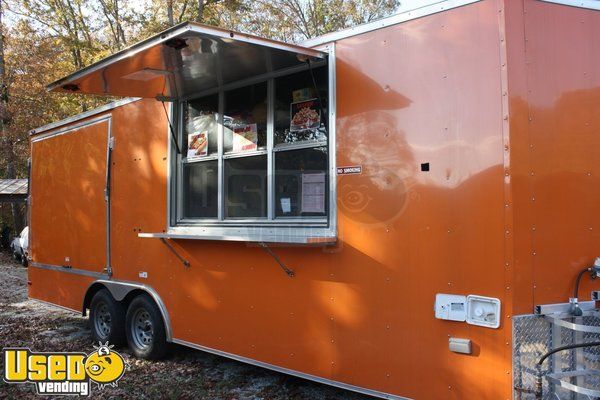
<point x="251" y="131"/>
<point x="256" y="154"/>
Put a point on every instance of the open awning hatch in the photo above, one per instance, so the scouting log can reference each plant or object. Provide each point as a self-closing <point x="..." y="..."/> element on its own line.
<point x="186" y="59"/>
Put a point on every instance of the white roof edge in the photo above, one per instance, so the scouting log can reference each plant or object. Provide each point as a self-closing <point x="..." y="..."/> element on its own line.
<point x="433" y="7"/>
<point x="590" y="4"/>
<point x="419" y="12"/>
<point x="84" y="115"/>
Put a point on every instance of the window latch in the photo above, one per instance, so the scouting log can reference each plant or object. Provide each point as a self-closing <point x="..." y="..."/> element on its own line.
<point x="185" y="262"/>
<point x="285" y="269"/>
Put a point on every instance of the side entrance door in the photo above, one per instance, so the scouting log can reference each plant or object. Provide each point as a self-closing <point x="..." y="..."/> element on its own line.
<point x="69" y="209"/>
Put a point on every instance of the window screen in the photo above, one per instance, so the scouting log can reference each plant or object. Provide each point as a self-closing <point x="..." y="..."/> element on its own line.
<point x="200" y="189"/>
<point x="246" y="187"/>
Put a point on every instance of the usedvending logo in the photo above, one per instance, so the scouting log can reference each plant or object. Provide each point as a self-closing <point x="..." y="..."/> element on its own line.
<point x="64" y="373"/>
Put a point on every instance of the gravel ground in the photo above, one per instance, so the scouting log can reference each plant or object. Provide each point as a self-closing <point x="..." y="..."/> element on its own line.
<point x="185" y="374"/>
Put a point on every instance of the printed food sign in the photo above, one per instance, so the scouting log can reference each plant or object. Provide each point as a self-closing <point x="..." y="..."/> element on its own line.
<point x="197" y="144"/>
<point x="305" y="115"/>
<point x="245" y="138"/>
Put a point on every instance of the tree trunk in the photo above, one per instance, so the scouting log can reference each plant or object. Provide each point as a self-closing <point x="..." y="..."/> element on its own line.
<point x="120" y="30"/>
<point x="200" y="10"/>
<point x="170" y="12"/>
<point x="9" y="154"/>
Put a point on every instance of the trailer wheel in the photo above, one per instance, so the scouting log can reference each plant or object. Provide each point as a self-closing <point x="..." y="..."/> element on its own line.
<point x="107" y="318"/>
<point x="145" y="329"/>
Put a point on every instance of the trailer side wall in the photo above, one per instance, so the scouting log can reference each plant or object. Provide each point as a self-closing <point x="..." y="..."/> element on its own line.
<point x="419" y="107"/>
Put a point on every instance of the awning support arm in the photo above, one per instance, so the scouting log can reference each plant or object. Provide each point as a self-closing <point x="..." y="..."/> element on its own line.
<point x="288" y="271"/>
<point x="185" y="262"/>
<point x="173" y="136"/>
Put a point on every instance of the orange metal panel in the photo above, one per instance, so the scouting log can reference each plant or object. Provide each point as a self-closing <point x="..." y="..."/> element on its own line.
<point x="432" y="97"/>
<point x="555" y="92"/>
<point x="56" y="287"/>
<point x="68" y="215"/>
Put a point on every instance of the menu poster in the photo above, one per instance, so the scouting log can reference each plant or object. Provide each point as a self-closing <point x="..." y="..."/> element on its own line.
<point x="245" y="138"/>
<point x="313" y="193"/>
<point x="286" y="205"/>
<point x="197" y="144"/>
<point x="305" y="115"/>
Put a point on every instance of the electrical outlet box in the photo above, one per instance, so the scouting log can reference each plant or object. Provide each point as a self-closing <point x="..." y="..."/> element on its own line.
<point x="451" y="307"/>
<point x="483" y="311"/>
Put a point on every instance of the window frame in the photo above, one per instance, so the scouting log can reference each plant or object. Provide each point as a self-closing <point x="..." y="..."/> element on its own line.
<point x="293" y="229"/>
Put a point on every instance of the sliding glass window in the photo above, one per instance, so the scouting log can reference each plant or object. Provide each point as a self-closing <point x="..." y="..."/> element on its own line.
<point x="257" y="153"/>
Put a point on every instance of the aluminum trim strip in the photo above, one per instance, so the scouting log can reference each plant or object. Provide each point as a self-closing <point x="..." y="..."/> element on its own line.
<point x="327" y="237"/>
<point x="589" y="4"/>
<point x="170" y="163"/>
<point x="107" y="195"/>
<point x="220" y="162"/>
<point x="270" y="155"/>
<point x="572" y="326"/>
<point x="67" y="129"/>
<point x="404" y="16"/>
<point x="200" y="159"/>
<point x="287" y="222"/>
<point x="545" y="309"/>
<point x="555" y="378"/>
<point x="74" y="271"/>
<point x="260" y="152"/>
<point x="287" y="371"/>
<point x="332" y="150"/>
<point x="84" y="115"/>
<point x="303" y="144"/>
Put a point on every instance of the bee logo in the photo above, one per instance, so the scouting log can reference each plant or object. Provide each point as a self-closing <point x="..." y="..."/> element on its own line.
<point x="105" y="366"/>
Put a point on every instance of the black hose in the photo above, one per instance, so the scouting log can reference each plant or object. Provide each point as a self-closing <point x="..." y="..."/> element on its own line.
<point x="567" y="347"/>
<point x="578" y="280"/>
<point x="539" y="386"/>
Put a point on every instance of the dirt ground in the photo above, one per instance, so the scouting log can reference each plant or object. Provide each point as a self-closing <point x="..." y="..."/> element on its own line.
<point x="185" y="374"/>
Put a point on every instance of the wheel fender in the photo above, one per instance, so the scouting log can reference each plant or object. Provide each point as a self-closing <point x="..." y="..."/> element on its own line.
<point x="119" y="290"/>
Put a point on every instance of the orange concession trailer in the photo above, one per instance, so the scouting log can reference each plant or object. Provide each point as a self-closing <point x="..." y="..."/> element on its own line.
<point x="408" y="209"/>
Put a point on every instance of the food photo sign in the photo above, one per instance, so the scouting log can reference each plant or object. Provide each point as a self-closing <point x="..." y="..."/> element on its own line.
<point x="305" y="115"/>
<point x="245" y="138"/>
<point x="197" y="144"/>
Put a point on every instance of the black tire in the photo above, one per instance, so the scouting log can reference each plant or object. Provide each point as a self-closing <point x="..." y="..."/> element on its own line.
<point x="145" y="329"/>
<point x="107" y="318"/>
